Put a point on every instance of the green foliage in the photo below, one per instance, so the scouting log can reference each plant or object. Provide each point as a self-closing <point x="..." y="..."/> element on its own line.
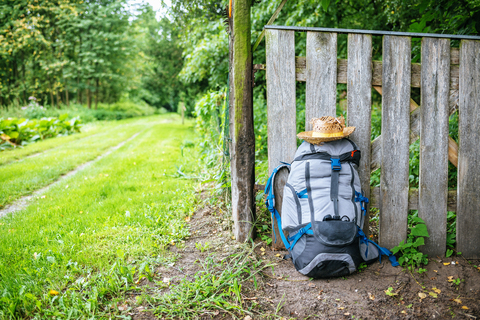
<point x="20" y="132"/>
<point x="410" y="256"/>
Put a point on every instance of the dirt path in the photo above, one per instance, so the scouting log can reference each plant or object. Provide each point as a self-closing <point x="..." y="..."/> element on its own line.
<point x="23" y="202"/>
<point x="284" y="293"/>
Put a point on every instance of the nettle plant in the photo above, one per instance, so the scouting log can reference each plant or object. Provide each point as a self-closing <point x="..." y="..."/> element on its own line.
<point x="411" y="257"/>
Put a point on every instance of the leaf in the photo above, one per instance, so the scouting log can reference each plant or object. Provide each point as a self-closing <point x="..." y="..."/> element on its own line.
<point x="262" y="249"/>
<point x="458" y="301"/>
<point x="371" y="296"/>
<point x="449" y="253"/>
<point x="53" y="293"/>
<point x="433" y="294"/>
<point x="446" y="263"/>
<point x="450" y="279"/>
<point x="437" y="290"/>
<point x="422" y="295"/>
<point x="465" y="308"/>
<point x="419" y="242"/>
<point x="420" y="230"/>
<point x="325" y="4"/>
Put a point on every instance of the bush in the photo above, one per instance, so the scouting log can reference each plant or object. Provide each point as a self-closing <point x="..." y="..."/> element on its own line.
<point x="20" y="131"/>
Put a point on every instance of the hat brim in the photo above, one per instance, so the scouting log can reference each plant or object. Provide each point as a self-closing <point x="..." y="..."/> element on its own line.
<point x="307" y="136"/>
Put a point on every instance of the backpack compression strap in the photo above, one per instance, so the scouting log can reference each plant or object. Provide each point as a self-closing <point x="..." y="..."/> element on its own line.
<point x="381" y="250"/>
<point x="270" y="203"/>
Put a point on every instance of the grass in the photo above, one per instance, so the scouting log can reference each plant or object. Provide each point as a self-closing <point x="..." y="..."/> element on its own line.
<point x="77" y="252"/>
<point x="25" y="176"/>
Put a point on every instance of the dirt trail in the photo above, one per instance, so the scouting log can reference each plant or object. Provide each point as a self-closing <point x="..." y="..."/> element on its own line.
<point x="24" y="201"/>
<point x="285" y="293"/>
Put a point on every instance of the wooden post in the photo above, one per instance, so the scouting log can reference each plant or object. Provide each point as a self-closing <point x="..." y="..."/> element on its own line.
<point x="282" y="136"/>
<point x="433" y="183"/>
<point x="242" y="150"/>
<point x="395" y="140"/>
<point x="359" y="104"/>
<point x="468" y="201"/>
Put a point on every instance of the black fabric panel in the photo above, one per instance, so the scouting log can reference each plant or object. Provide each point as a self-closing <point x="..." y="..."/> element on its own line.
<point x="351" y="156"/>
<point x="312" y="148"/>
<point x="330" y="269"/>
<point x="309" y="192"/>
<point x="335" y="232"/>
<point x="334" y="190"/>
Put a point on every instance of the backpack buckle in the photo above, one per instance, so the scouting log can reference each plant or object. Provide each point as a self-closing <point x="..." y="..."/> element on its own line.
<point x="336" y="165"/>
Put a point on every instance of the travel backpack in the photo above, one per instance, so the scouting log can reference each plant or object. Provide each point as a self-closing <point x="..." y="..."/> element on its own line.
<point x="323" y="211"/>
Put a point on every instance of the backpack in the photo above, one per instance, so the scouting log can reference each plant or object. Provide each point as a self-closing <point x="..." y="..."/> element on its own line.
<point x="323" y="211"/>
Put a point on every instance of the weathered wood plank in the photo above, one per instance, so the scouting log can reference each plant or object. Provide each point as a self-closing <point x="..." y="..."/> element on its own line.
<point x="281" y="100"/>
<point x="376" y="151"/>
<point x="468" y="215"/>
<point x="359" y="103"/>
<point x="321" y="76"/>
<point x="395" y="140"/>
<point x="434" y="112"/>
<point x="281" y="178"/>
<point x="413" y="199"/>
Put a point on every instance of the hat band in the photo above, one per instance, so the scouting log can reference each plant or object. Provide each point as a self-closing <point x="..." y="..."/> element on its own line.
<point x="326" y="135"/>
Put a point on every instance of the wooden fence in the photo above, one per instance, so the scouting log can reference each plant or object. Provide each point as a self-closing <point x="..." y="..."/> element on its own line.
<point x="449" y="79"/>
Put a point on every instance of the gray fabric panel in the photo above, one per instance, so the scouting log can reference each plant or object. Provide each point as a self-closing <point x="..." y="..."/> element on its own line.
<point x="329" y="256"/>
<point x="299" y="248"/>
<point x="372" y="251"/>
<point x="320" y="177"/>
<point x="297" y="202"/>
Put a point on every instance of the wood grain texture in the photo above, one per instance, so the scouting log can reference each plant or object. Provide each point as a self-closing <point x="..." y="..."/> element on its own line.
<point x="395" y="140"/>
<point x="321" y="76"/>
<point x="413" y="199"/>
<point x="342" y="65"/>
<point x="434" y="113"/>
<point x="468" y="213"/>
<point x="359" y="103"/>
<point x="280" y="181"/>
<point x="376" y="150"/>
<point x="281" y="100"/>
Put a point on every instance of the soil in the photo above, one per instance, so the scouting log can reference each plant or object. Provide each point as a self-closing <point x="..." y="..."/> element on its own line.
<point x="285" y="293"/>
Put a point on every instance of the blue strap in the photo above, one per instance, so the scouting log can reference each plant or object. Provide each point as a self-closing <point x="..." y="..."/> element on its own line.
<point x="305" y="230"/>
<point x="270" y="204"/>
<point x="303" y="194"/>
<point x="381" y="250"/>
<point x="360" y="198"/>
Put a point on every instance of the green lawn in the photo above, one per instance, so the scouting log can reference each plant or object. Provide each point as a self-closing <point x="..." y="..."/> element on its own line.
<point x="74" y="252"/>
<point x="63" y="155"/>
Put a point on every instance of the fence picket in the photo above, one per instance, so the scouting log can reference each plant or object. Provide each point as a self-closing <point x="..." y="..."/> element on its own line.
<point x="434" y="113"/>
<point x="321" y="76"/>
<point x="395" y="140"/>
<point x="281" y="109"/>
<point x="468" y="201"/>
<point x="359" y="103"/>
<point x="281" y="100"/>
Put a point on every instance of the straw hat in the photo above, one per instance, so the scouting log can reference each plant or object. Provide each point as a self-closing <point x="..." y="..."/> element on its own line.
<point x="326" y="129"/>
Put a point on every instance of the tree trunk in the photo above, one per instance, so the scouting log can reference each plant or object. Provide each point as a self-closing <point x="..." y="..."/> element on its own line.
<point x="52" y="102"/>
<point x="241" y="122"/>
<point x="89" y="96"/>
<point x="66" y="97"/>
<point x="96" y="93"/>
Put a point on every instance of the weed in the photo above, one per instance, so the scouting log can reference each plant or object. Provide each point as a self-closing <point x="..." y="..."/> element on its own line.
<point x="203" y="247"/>
<point x="410" y="256"/>
<point x="389" y="292"/>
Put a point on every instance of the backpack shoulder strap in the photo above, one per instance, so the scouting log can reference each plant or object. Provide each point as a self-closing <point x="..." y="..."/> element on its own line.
<point x="270" y="203"/>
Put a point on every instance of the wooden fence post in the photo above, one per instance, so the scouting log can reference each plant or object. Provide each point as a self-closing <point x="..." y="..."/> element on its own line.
<point x="242" y="150"/>
<point x="433" y="183"/>
<point x="468" y="201"/>
<point x="395" y="140"/>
